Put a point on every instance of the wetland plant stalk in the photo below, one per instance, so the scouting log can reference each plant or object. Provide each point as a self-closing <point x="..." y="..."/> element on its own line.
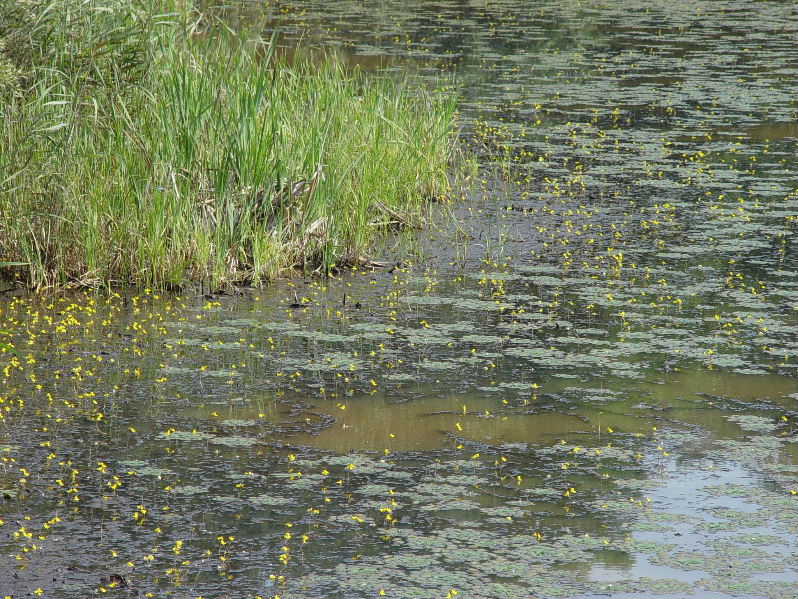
<point x="144" y="143"/>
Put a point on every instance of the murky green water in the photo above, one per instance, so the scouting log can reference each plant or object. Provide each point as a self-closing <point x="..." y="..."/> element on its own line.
<point x="580" y="382"/>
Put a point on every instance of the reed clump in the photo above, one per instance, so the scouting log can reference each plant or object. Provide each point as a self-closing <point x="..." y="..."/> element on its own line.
<point x="141" y="144"/>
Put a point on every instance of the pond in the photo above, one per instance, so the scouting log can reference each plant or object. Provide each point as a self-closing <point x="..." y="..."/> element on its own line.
<point x="578" y="381"/>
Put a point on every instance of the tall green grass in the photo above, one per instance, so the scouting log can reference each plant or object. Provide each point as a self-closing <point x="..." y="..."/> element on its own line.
<point x="140" y="144"/>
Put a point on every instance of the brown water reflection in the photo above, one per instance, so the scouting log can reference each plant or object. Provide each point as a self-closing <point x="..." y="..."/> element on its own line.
<point x="378" y="423"/>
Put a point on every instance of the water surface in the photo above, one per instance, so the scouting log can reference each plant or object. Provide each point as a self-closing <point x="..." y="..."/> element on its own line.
<point x="580" y="381"/>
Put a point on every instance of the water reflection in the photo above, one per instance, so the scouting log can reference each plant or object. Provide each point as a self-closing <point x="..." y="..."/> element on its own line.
<point x="435" y="420"/>
<point x="373" y="424"/>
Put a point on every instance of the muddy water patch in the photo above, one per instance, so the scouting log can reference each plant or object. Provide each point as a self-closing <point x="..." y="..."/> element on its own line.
<point x="373" y="424"/>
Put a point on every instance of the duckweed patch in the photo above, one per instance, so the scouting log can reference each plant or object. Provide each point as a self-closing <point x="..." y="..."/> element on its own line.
<point x="756" y="424"/>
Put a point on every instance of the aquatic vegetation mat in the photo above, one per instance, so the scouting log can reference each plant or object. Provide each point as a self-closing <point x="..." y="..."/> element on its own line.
<point x="584" y="385"/>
